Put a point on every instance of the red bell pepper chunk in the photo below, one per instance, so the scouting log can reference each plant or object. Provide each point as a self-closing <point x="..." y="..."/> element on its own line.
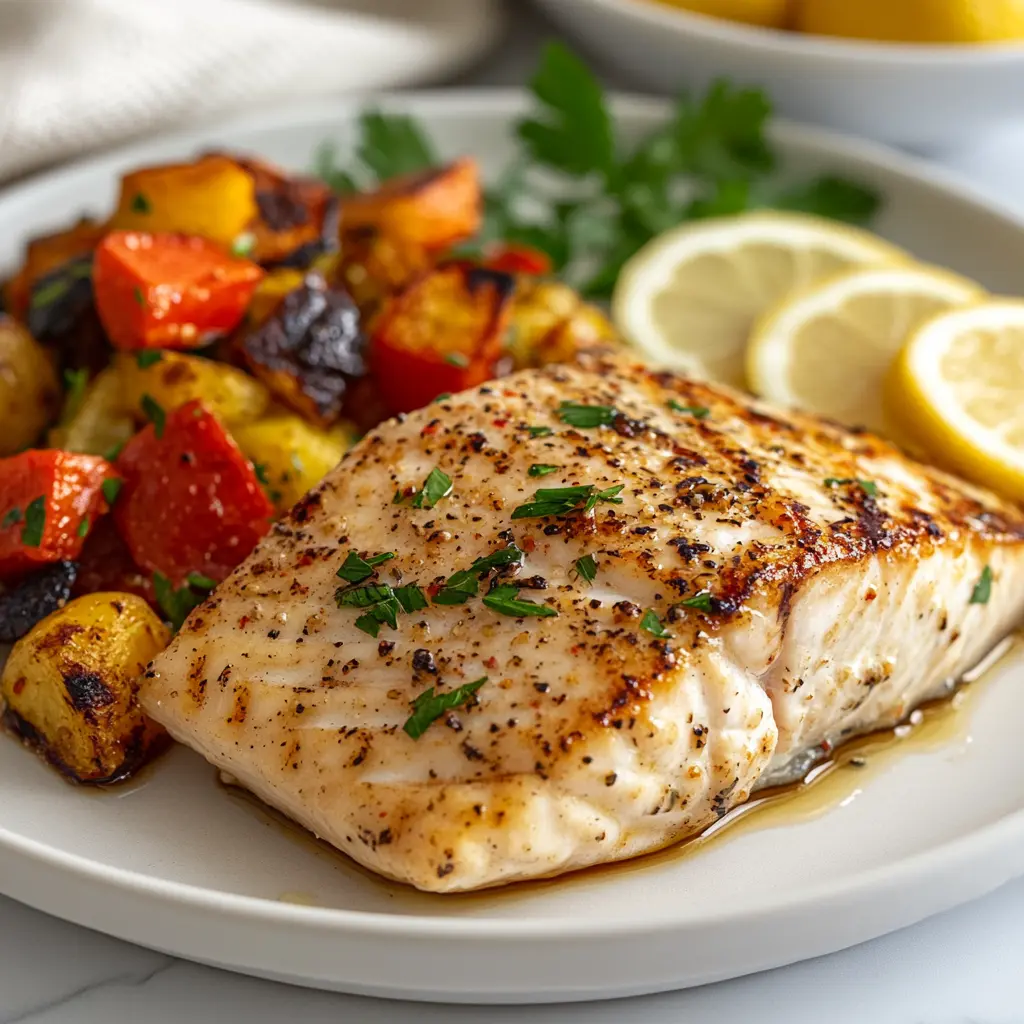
<point x="513" y="258"/>
<point x="165" y="290"/>
<point x="49" y="500"/>
<point x="443" y="333"/>
<point x="191" y="501"/>
<point x="106" y="564"/>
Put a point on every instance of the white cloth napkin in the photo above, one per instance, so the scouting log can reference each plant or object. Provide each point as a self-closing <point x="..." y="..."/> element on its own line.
<point x="81" y="74"/>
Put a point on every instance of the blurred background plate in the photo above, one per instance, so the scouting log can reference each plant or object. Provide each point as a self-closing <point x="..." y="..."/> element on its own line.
<point x="926" y="97"/>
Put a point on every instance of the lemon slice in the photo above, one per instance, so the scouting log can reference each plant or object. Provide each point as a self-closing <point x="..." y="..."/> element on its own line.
<point x="957" y="388"/>
<point x="827" y="349"/>
<point x="689" y="298"/>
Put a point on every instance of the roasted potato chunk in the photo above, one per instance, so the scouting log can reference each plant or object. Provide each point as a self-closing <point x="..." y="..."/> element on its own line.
<point x="214" y="197"/>
<point x="292" y="456"/>
<point x="374" y="266"/>
<point x="70" y="687"/>
<point x="175" y="378"/>
<point x="435" y="209"/>
<point x="310" y="351"/>
<point x="101" y="423"/>
<point x="30" y="393"/>
<point x="550" y="323"/>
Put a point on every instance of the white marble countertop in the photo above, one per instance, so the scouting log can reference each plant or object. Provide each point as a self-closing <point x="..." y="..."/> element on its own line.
<point x="964" y="967"/>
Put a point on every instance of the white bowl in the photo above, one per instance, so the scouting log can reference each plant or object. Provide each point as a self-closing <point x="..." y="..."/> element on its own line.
<point x="922" y="96"/>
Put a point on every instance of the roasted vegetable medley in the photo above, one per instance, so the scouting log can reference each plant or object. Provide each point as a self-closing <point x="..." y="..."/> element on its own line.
<point x="175" y="376"/>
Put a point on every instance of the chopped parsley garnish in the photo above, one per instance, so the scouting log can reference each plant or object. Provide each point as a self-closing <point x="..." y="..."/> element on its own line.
<point x="459" y="588"/>
<point x="243" y="245"/>
<point x="429" y="706"/>
<point x="506" y="600"/>
<point x="140" y="296"/>
<point x="558" y="501"/>
<point x="12" y="518"/>
<point x="83" y="528"/>
<point x="697" y="411"/>
<point x="141" y="204"/>
<point x="702" y="602"/>
<point x="457" y="359"/>
<point x="438" y="485"/>
<point x="111" y="488"/>
<point x="176" y="604"/>
<point x="543" y="469"/>
<point x="540" y="431"/>
<point x="869" y="487"/>
<point x="114" y="451"/>
<point x="63" y="280"/>
<point x="363" y="597"/>
<point x="653" y="624"/>
<point x="155" y="414"/>
<point x="356" y="569"/>
<point x="35" y="523"/>
<point x="983" y="588"/>
<point x="380" y="603"/>
<point x="148" y="357"/>
<point x="586" y="416"/>
<point x="260" y="469"/>
<point x="586" y="568"/>
<point x="75" y="384"/>
<point x="411" y="598"/>
<point x="443" y="397"/>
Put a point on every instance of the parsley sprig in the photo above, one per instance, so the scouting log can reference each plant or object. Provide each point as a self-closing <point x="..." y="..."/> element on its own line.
<point x="176" y="603"/>
<point x="559" y="501"/>
<point x="713" y="157"/>
<point x="429" y="706"/>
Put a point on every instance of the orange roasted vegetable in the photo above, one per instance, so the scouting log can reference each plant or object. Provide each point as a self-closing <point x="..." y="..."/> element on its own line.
<point x="444" y="333"/>
<point x="296" y="219"/>
<point x="46" y="254"/>
<point x="213" y="197"/>
<point x="435" y="208"/>
<point x="169" y="291"/>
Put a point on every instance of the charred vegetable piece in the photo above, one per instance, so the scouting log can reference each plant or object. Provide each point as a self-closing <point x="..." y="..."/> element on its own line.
<point x="169" y="291"/>
<point x="70" y="687"/>
<point x="435" y="209"/>
<point x="310" y="352"/>
<point x="45" y="498"/>
<point x="513" y="258"/>
<point x="270" y="293"/>
<point x="550" y="323"/>
<point x="101" y="422"/>
<point x="175" y="378"/>
<point x="30" y="393"/>
<point x="62" y="314"/>
<point x="292" y="456"/>
<point x="191" y="501"/>
<point x="444" y="333"/>
<point x="106" y="564"/>
<point x="213" y="197"/>
<point x="46" y="254"/>
<point x="297" y="218"/>
<point x="374" y="266"/>
<point x="39" y="594"/>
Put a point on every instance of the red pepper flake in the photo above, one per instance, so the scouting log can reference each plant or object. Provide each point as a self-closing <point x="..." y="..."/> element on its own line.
<point x="577" y="648"/>
<point x="430" y="428"/>
<point x="243" y="622"/>
<point x="528" y="544"/>
<point x="491" y="662"/>
<point x="501" y="423"/>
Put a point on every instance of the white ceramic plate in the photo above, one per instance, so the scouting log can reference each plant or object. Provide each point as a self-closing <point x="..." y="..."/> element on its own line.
<point x="175" y="862"/>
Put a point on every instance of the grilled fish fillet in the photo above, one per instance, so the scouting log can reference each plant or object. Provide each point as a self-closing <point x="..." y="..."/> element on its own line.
<point x="807" y="584"/>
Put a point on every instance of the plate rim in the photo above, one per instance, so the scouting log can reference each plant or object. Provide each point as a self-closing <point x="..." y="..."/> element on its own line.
<point x="505" y="103"/>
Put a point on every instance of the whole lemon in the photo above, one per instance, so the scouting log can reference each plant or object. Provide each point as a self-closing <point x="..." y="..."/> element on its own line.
<point x="769" y="13"/>
<point x="914" y="21"/>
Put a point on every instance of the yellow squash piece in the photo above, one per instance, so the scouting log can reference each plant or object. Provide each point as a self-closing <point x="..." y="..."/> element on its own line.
<point x="292" y="455"/>
<point x="213" y="197"/>
<point x="101" y="423"/>
<point x="70" y="687"/>
<point x="176" y="378"/>
<point x="29" y="391"/>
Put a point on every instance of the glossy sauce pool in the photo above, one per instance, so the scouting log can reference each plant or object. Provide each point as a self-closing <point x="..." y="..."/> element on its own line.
<point x="833" y="782"/>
